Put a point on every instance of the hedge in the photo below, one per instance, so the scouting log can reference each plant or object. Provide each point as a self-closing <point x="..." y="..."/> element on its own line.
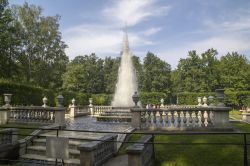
<point x="102" y="99"/>
<point x="154" y="98"/>
<point x="24" y="94"/>
<point x="81" y="98"/>
<point x="190" y="98"/>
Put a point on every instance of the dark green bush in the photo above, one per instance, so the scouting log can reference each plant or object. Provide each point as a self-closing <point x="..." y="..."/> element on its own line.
<point x="81" y="98"/>
<point x="153" y="98"/>
<point x="102" y="99"/>
<point x="24" y="94"/>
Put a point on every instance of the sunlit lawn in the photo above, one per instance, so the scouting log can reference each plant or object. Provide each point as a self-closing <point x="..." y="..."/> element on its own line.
<point x="200" y="155"/>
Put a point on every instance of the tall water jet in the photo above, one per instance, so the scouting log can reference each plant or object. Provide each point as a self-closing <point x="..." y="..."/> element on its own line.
<point x="127" y="80"/>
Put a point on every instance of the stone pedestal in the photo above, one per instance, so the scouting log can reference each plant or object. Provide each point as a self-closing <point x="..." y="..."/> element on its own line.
<point x="4" y="114"/>
<point x="72" y="111"/>
<point x="136" y="119"/>
<point x="221" y="117"/>
<point x="60" y="117"/>
<point x="246" y="117"/>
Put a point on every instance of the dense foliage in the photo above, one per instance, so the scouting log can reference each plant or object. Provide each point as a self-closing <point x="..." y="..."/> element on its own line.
<point x="32" y="53"/>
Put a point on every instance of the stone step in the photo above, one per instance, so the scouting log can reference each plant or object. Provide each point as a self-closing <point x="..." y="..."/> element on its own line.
<point x="46" y="161"/>
<point x="41" y="150"/>
<point x="73" y="144"/>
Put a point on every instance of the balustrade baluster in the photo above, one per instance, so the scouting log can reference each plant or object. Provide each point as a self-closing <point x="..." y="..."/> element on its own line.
<point x="209" y="121"/>
<point x="154" y="117"/>
<point x="202" y="119"/>
<point x="190" y="118"/>
<point x="179" y="118"/>
<point x="172" y="118"/>
<point x="196" y="118"/>
<point x="161" y="119"/>
<point x="149" y="118"/>
<point x="166" y="118"/>
<point x="184" y="119"/>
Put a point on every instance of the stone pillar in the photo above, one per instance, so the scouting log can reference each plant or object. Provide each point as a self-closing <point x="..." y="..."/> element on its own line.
<point x="246" y="117"/>
<point x="60" y="112"/>
<point x="87" y="151"/>
<point x="136" y="118"/>
<point x="135" y="155"/>
<point x="5" y="110"/>
<point x="221" y="117"/>
<point x="14" y="135"/>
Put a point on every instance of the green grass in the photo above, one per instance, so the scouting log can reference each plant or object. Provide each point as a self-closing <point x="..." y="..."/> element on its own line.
<point x="21" y="131"/>
<point x="197" y="155"/>
<point x="235" y="114"/>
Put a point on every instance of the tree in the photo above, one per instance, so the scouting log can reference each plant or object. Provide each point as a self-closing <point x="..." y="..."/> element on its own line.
<point x="43" y="57"/>
<point x="190" y="73"/>
<point x="234" y="71"/>
<point x="84" y="74"/>
<point x="110" y="68"/>
<point x="156" y="74"/>
<point x="9" y="43"/>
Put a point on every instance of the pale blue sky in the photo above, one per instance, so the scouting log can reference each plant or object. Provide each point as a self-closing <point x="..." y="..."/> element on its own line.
<point x="169" y="28"/>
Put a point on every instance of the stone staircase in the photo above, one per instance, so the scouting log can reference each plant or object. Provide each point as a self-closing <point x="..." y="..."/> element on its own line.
<point x="36" y="153"/>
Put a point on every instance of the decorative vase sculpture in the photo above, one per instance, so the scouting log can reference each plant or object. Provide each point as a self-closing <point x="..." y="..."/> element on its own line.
<point x="136" y="98"/>
<point x="7" y="99"/>
<point x="204" y="101"/>
<point x="220" y="97"/>
<point x="45" y="100"/>
<point x="199" y="101"/>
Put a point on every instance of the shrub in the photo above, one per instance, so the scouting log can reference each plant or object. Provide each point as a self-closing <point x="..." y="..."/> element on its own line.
<point x="153" y="98"/>
<point x="102" y="99"/>
<point x="23" y="94"/>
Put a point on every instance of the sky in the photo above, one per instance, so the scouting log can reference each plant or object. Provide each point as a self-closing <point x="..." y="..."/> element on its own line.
<point x="168" y="28"/>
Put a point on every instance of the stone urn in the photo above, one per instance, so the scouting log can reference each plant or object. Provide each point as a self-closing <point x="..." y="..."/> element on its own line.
<point x="211" y="101"/>
<point x="60" y="100"/>
<point x="45" y="101"/>
<point x="7" y="99"/>
<point x="136" y="99"/>
<point x="220" y="97"/>
<point x="73" y="101"/>
<point x="204" y="101"/>
<point x="162" y="103"/>
<point x="199" y="101"/>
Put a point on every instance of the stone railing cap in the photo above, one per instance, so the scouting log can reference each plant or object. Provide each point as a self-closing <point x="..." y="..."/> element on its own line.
<point x="135" y="149"/>
<point x="90" y="146"/>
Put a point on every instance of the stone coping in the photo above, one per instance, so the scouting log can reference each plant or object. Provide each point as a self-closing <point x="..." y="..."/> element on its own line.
<point x="197" y="108"/>
<point x="33" y="108"/>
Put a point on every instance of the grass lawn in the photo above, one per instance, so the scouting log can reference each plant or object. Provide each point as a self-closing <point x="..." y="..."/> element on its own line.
<point x="235" y="114"/>
<point x="199" y="155"/>
<point x="21" y="131"/>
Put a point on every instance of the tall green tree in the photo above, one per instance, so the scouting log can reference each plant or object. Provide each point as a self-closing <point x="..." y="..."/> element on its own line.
<point x="43" y="58"/>
<point x="9" y="43"/>
<point x="110" y="67"/>
<point x="234" y="71"/>
<point x="156" y="74"/>
<point x="84" y="74"/>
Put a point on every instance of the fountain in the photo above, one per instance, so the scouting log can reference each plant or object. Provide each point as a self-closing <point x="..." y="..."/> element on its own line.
<point x="125" y="88"/>
<point x="127" y="81"/>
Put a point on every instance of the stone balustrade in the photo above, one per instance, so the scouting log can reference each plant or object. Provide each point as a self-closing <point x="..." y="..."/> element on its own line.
<point x="33" y="114"/>
<point x="97" y="152"/>
<point x="181" y="118"/>
<point x="142" y="153"/>
<point x="97" y="110"/>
